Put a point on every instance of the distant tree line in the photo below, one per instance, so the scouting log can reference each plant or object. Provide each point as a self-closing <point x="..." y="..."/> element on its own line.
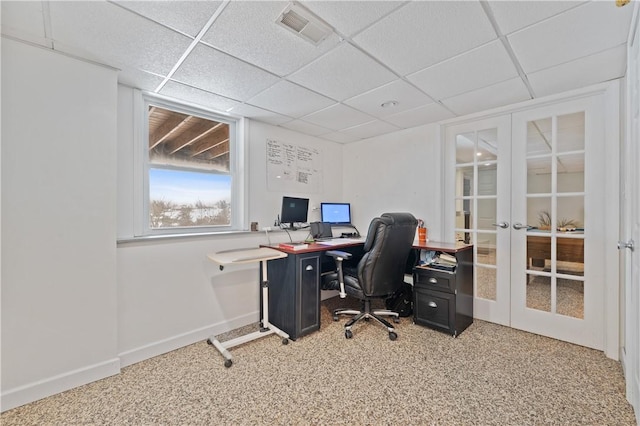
<point x="167" y="214"/>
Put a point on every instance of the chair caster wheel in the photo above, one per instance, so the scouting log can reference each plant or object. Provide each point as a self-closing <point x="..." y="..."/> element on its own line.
<point x="285" y="341"/>
<point x="396" y="320"/>
<point x="228" y="363"/>
<point x="348" y="334"/>
<point x="209" y="342"/>
<point x="393" y="335"/>
<point x="335" y="318"/>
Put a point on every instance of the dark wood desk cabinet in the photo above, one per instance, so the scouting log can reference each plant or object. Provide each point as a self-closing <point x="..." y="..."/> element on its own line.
<point x="294" y="287"/>
<point x="444" y="300"/>
<point x="294" y="293"/>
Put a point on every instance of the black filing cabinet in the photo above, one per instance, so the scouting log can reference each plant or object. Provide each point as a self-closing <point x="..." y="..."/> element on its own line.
<point x="294" y="293"/>
<point x="443" y="300"/>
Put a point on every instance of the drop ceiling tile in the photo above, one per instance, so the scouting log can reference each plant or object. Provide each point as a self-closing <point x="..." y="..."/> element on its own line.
<point x="514" y="15"/>
<point x="220" y="73"/>
<point x="24" y="17"/>
<point x="337" y="117"/>
<point x="259" y="114"/>
<point x="186" y="16"/>
<point x="342" y="73"/>
<point x="400" y="91"/>
<point x="424" y="33"/>
<point x="505" y="93"/>
<point x="581" y="31"/>
<point x="582" y="72"/>
<point x="370" y="129"/>
<point x="349" y="17"/>
<point x="262" y="41"/>
<point x="290" y="99"/>
<point x="199" y="97"/>
<point x="430" y="113"/>
<point x="306" y="128"/>
<point x="139" y="79"/>
<point x="119" y="37"/>
<point x="484" y="66"/>
<point x="340" y="137"/>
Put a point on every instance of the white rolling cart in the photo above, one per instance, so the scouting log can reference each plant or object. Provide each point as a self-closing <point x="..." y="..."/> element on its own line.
<point x="249" y="255"/>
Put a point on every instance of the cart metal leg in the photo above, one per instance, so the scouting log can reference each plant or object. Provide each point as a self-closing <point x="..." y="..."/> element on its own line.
<point x="266" y="328"/>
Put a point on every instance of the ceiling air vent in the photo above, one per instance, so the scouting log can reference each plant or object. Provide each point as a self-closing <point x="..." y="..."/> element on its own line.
<point x="304" y="23"/>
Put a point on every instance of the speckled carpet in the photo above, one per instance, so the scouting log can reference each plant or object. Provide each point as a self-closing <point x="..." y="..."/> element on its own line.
<point x="489" y="375"/>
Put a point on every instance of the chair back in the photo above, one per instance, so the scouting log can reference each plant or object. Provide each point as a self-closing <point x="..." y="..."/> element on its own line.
<point x="389" y="240"/>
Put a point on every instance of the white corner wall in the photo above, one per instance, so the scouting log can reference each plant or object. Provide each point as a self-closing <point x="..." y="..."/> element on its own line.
<point x="58" y="223"/>
<point x="400" y="171"/>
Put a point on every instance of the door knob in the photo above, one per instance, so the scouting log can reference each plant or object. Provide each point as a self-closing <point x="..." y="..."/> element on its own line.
<point x="626" y="244"/>
<point x="503" y="225"/>
<point x="518" y="225"/>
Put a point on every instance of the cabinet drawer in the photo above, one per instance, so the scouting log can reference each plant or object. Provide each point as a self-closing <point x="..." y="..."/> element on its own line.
<point x="429" y="278"/>
<point x="435" y="309"/>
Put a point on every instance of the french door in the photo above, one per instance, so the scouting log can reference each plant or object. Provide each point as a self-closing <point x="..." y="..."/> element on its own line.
<point x="527" y="191"/>
<point x="481" y="152"/>
<point x="557" y="271"/>
<point x="630" y="230"/>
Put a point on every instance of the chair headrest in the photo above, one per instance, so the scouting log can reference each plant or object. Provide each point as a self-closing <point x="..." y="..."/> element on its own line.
<point x="390" y="219"/>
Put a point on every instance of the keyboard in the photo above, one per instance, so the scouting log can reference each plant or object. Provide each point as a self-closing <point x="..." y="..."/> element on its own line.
<point x="340" y="241"/>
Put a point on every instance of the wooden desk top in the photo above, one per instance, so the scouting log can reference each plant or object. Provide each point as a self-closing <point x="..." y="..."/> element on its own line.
<point x="336" y="244"/>
<point x="443" y="246"/>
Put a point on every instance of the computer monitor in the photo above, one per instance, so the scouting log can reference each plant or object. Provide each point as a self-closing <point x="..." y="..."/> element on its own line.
<point x="294" y="210"/>
<point x="336" y="213"/>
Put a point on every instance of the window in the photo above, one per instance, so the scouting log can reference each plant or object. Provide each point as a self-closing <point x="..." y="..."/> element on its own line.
<point x="191" y="157"/>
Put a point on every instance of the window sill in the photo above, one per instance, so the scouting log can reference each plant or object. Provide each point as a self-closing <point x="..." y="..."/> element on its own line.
<point x="170" y="237"/>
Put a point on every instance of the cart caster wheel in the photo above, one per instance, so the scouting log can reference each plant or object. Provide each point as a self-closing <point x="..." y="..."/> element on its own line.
<point x="393" y="335"/>
<point x="335" y="318"/>
<point x="348" y="334"/>
<point x="209" y="342"/>
<point x="228" y="363"/>
<point x="285" y="341"/>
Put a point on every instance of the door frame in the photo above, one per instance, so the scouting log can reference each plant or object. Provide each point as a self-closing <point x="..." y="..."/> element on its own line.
<point x="611" y="92"/>
<point x="630" y="210"/>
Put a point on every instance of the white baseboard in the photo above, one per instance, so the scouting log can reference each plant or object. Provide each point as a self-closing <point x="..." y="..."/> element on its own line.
<point x="43" y="388"/>
<point x="176" y="342"/>
<point x="34" y="391"/>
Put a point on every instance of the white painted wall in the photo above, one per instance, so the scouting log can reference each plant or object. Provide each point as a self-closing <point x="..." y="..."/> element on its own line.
<point x="59" y="317"/>
<point x="400" y="171"/>
<point x="169" y="293"/>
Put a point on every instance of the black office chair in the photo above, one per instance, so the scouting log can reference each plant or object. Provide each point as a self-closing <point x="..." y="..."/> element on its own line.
<point x="379" y="273"/>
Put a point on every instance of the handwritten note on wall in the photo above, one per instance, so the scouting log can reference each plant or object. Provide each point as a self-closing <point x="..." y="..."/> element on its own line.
<point x="292" y="167"/>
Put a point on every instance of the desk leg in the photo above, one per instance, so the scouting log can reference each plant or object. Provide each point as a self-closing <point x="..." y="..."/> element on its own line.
<point x="265" y="329"/>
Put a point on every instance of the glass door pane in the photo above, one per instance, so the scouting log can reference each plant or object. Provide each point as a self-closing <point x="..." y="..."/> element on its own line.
<point x="476" y="203"/>
<point x="555" y="199"/>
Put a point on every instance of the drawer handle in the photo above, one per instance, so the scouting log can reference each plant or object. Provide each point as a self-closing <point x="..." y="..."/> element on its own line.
<point x="432" y="304"/>
<point x="309" y="268"/>
<point x="433" y="280"/>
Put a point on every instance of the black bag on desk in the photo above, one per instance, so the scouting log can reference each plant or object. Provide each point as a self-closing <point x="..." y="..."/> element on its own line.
<point x="401" y="301"/>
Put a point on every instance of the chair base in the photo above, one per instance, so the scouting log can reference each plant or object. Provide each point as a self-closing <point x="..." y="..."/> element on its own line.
<point x="366" y="313"/>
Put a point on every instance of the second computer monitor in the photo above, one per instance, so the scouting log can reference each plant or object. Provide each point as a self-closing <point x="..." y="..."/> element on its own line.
<point x="336" y="213"/>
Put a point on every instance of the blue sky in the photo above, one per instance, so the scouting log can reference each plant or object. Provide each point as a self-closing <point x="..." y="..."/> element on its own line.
<point x="183" y="187"/>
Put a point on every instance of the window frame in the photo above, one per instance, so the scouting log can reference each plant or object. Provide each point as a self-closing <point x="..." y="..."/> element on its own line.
<point x="142" y="164"/>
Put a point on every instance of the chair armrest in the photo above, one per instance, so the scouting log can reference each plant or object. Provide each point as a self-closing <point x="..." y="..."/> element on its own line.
<point x="339" y="256"/>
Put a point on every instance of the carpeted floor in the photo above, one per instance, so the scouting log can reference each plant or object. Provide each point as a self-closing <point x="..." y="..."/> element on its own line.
<point x="489" y="375"/>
